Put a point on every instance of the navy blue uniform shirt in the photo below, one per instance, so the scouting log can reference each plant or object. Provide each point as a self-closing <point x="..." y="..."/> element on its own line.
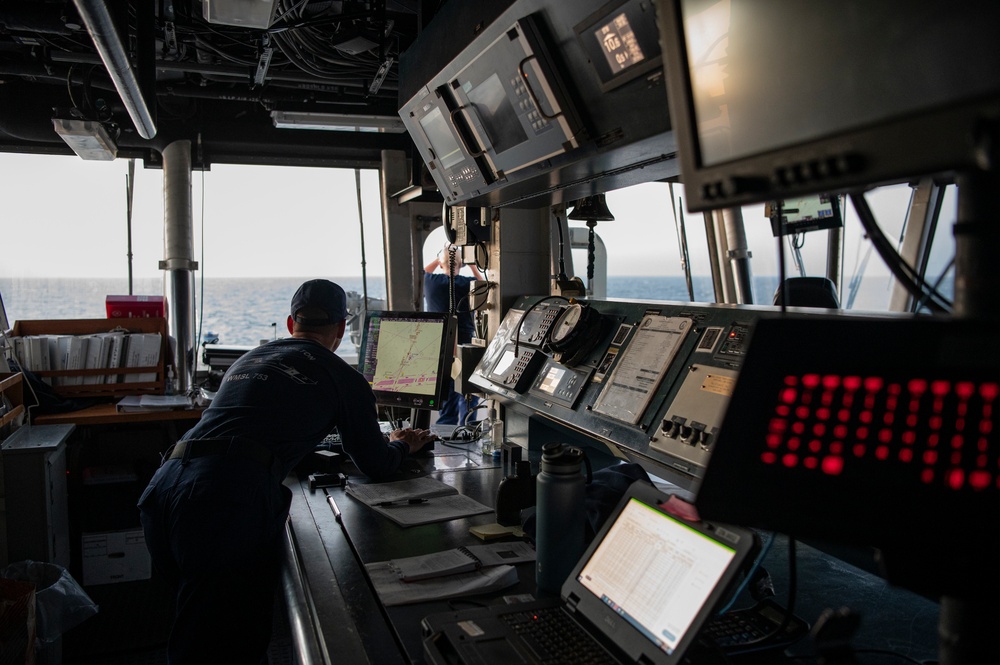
<point x="290" y="393"/>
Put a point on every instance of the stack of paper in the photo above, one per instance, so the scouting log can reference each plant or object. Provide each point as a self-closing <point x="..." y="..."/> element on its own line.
<point x="417" y="501"/>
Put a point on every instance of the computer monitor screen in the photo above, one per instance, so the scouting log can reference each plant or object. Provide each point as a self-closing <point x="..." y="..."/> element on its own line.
<point x="406" y="357"/>
<point x="804" y="213"/>
<point x="782" y="97"/>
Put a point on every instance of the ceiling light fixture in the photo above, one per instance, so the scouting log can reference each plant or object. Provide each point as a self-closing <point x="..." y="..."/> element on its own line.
<point x="338" y="122"/>
<point x="87" y="138"/>
<point x="242" y="13"/>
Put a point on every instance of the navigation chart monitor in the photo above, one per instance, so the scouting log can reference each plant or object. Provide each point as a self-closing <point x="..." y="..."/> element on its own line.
<point x="406" y="357"/>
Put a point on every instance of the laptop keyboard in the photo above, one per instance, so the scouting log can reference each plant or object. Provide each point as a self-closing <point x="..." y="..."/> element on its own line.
<point x="554" y="638"/>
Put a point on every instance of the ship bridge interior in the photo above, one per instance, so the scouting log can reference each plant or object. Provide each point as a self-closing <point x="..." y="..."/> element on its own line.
<point x="856" y="447"/>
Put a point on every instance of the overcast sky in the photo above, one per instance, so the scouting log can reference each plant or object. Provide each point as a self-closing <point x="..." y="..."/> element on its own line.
<point x="64" y="217"/>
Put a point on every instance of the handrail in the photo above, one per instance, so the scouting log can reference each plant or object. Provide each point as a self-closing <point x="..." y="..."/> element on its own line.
<point x="309" y="648"/>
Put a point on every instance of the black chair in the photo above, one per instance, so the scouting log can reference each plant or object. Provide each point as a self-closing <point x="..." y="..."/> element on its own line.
<point x="808" y="292"/>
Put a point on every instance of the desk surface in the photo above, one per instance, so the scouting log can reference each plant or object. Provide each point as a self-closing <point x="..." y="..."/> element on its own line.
<point x="106" y="414"/>
<point x="350" y="617"/>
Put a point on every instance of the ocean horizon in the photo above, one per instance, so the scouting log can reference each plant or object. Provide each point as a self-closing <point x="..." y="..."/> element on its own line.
<point x="248" y="310"/>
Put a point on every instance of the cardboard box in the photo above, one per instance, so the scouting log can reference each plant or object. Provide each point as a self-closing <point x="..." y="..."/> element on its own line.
<point x="115" y="556"/>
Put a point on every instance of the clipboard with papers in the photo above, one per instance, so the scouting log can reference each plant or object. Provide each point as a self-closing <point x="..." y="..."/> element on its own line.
<point x="416" y="501"/>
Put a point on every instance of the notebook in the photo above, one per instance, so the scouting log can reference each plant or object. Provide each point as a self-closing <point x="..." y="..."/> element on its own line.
<point x="640" y="593"/>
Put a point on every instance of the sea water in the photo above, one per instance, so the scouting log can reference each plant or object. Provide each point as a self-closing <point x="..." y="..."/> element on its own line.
<point x="245" y="311"/>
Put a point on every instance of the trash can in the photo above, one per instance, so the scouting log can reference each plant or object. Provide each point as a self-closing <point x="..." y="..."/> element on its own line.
<point x="60" y="604"/>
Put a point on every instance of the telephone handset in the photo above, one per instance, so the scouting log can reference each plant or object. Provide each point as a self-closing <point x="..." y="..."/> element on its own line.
<point x="448" y="221"/>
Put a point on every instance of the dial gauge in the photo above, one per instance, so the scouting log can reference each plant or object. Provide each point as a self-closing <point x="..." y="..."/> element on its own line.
<point x="566" y="323"/>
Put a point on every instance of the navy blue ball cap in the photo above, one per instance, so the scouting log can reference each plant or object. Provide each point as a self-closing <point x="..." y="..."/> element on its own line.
<point x="321" y="294"/>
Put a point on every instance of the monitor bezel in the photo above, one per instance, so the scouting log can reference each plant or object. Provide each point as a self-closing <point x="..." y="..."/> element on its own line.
<point x="446" y="353"/>
<point x="858" y="158"/>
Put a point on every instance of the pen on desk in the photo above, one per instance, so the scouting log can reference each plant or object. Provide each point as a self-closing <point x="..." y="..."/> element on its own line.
<point x="386" y="504"/>
<point x="336" y="508"/>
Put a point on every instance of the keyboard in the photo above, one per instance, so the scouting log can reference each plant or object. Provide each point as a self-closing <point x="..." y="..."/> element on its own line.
<point x="555" y="639"/>
<point x="739" y="631"/>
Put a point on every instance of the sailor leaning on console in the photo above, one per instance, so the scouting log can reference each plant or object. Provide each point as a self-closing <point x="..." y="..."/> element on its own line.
<point x="214" y="512"/>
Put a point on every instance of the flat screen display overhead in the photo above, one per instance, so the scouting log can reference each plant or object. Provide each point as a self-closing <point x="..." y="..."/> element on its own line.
<point x="496" y="109"/>
<point x="775" y="98"/>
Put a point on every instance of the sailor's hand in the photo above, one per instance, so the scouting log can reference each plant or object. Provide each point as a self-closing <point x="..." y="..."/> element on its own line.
<point x="415" y="439"/>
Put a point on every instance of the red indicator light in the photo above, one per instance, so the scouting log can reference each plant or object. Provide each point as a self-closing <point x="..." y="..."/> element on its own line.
<point x="798" y="427"/>
<point x="810" y="463"/>
<point x="859" y="450"/>
<point x="852" y="382"/>
<point x="823" y="414"/>
<point x="940" y="388"/>
<point x="989" y="391"/>
<point x="882" y="452"/>
<point x="793" y="443"/>
<point x="873" y="384"/>
<point x="909" y="438"/>
<point x="840" y="431"/>
<point x="885" y="435"/>
<point x="789" y="395"/>
<point x="965" y="389"/>
<point x="790" y="460"/>
<point x="833" y="465"/>
<point x="844" y="415"/>
<point x="777" y="425"/>
<point x="956" y="479"/>
<point x="930" y="457"/>
<point x="927" y="476"/>
<point x="837" y="448"/>
<point x="783" y="410"/>
<point x="917" y="386"/>
<point x="819" y="429"/>
<point x="768" y="458"/>
<point x="905" y="455"/>
<point x="773" y="440"/>
<point x="811" y="380"/>
<point x="815" y="446"/>
<point x="831" y="381"/>
<point x="802" y="412"/>
<point x="791" y="380"/>
<point x="980" y="480"/>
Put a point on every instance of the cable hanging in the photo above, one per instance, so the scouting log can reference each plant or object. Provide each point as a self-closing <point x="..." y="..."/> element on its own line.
<point x="901" y="270"/>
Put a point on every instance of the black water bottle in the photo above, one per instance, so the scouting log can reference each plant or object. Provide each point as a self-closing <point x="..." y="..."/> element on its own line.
<point x="560" y="516"/>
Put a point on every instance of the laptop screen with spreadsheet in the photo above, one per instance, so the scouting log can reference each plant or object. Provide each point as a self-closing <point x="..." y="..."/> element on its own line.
<point x="656" y="572"/>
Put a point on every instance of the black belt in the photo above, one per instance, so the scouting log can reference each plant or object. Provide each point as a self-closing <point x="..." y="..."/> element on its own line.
<point x="226" y="446"/>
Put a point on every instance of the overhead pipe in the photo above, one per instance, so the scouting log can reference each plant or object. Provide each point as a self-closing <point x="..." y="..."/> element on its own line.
<point x="235" y="72"/>
<point x="109" y="45"/>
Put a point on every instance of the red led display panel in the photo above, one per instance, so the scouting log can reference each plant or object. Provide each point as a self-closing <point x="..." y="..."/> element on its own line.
<point x="939" y="429"/>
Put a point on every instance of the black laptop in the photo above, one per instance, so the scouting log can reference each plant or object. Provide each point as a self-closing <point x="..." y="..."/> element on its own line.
<point x="640" y="593"/>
